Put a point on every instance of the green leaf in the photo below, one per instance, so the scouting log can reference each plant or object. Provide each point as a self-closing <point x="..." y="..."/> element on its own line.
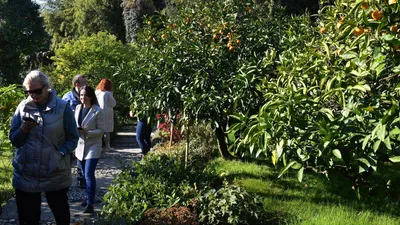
<point x="286" y="168"/>
<point x="345" y="33"/>
<point x="349" y="55"/>
<point x="336" y="152"/>
<point x="381" y="132"/>
<point x="300" y="174"/>
<point x="376" y="145"/>
<point x="279" y="148"/>
<point x="395" y="159"/>
<point x="328" y="113"/>
<point x="387" y="143"/>
<point x="363" y="88"/>
<point x="365" y="142"/>
<point x="327" y="50"/>
<point x="388" y="37"/>
<point x="395" y="131"/>
<point x="363" y="165"/>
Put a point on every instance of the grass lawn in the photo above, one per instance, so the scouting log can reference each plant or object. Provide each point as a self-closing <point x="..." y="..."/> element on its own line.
<point x="314" y="201"/>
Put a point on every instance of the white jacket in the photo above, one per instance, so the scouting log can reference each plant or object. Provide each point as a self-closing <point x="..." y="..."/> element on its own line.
<point x="90" y="145"/>
<point x="107" y="103"/>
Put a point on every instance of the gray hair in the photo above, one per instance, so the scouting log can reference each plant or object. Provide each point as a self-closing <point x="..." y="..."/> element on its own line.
<point x="36" y="75"/>
<point x="76" y="79"/>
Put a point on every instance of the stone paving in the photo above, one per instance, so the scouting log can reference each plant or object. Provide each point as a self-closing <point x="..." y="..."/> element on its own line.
<point x="109" y="165"/>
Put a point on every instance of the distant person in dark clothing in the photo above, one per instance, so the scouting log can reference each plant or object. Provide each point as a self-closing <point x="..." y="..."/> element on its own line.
<point x="143" y="134"/>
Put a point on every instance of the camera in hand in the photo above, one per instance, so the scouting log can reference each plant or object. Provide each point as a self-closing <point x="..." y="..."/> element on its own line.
<point x="29" y="119"/>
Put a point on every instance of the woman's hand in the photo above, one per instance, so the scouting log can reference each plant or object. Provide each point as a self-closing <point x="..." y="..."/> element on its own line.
<point x="27" y="126"/>
<point x="82" y="131"/>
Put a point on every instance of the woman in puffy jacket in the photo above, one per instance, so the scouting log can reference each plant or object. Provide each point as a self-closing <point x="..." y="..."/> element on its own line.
<point x="44" y="131"/>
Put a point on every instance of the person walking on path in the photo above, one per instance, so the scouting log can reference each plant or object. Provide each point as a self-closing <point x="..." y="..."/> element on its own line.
<point x="143" y="134"/>
<point x="44" y="131"/>
<point x="90" y="121"/>
<point x="107" y="103"/>
<point x="72" y="97"/>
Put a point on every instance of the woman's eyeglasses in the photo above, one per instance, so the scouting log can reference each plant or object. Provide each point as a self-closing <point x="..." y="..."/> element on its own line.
<point x="36" y="91"/>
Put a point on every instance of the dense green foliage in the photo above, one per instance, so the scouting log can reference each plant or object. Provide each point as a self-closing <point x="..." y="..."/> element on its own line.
<point x="162" y="182"/>
<point x="10" y="97"/>
<point x="68" y="20"/>
<point x="334" y="104"/>
<point x="21" y="33"/>
<point x="202" y="61"/>
<point x="230" y="205"/>
<point x="94" y="56"/>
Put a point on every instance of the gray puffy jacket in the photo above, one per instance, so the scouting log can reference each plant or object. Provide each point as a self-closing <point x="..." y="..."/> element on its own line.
<point x="38" y="164"/>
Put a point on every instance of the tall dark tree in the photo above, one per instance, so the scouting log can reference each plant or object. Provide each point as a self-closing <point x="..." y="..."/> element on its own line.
<point x="58" y="18"/>
<point x="93" y="16"/>
<point x="21" y="33"/>
<point x="133" y="13"/>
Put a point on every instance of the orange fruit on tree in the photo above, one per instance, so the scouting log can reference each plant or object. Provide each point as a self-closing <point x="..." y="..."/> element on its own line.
<point x="169" y="26"/>
<point x="149" y="22"/>
<point x="364" y="6"/>
<point x="215" y="37"/>
<point x="322" y="30"/>
<point x="238" y="41"/>
<point x="376" y="15"/>
<point x="391" y="2"/>
<point x="232" y="48"/>
<point x="394" y="28"/>
<point x="358" y="31"/>
<point x="163" y="36"/>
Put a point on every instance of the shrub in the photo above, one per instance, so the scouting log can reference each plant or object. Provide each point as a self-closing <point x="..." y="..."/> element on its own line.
<point x="229" y="205"/>
<point x="202" y="144"/>
<point x="10" y="97"/>
<point x="164" y="128"/>
<point x="168" y="163"/>
<point x="130" y="196"/>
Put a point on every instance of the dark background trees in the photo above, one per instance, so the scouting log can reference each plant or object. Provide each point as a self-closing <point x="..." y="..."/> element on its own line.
<point x="21" y="33"/>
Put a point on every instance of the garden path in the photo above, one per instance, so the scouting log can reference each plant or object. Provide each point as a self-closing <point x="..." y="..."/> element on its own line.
<point x="125" y="151"/>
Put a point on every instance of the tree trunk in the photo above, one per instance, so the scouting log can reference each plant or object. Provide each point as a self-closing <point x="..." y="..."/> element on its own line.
<point x="222" y="143"/>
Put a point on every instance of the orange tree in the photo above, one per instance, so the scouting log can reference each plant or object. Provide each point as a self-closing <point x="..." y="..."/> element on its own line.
<point x="203" y="59"/>
<point x="334" y="104"/>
